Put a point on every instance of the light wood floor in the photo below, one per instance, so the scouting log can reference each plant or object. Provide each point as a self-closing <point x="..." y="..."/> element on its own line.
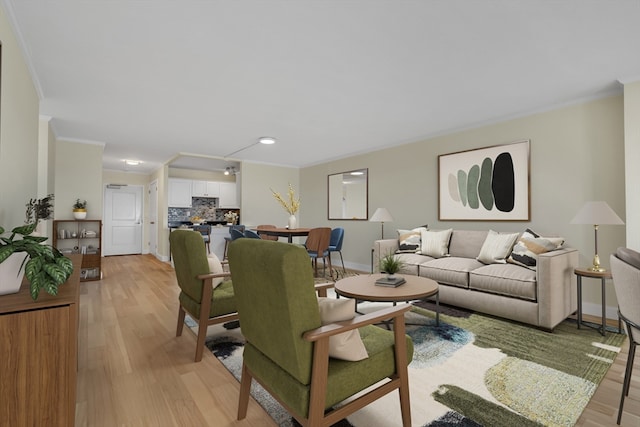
<point x="134" y="371"/>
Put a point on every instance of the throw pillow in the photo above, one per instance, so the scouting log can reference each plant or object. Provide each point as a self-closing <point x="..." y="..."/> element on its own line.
<point x="409" y="240"/>
<point x="497" y="247"/>
<point x="629" y="256"/>
<point x="215" y="266"/>
<point x="435" y="243"/>
<point x="530" y="245"/>
<point x="347" y="345"/>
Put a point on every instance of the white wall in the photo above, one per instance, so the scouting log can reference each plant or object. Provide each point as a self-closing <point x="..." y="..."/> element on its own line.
<point x="577" y="155"/>
<point x="18" y="131"/>
<point x="632" y="156"/>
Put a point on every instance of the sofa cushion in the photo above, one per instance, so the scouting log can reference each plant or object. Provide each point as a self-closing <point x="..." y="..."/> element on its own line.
<point x="449" y="270"/>
<point x="409" y="240"/>
<point x="530" y="245"/>
<point x="497" y="247"/>
<point x="505" y="279"/>
<point x="435" y="243"/>
<point x="466" y="243"/>
<point x="629" y="256"/>
<point x="411" y="261"/>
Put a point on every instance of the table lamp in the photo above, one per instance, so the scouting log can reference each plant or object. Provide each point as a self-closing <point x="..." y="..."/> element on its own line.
<point x="381" y="215"/>
<point x="596" y="213"/>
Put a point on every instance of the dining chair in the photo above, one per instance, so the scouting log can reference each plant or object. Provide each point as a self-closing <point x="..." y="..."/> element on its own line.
<point x="278" y="309"/>
<point x="205" y="231"/>
<point x="625" y="270"/>
<point x="335" y="245"/>
<point x="204" y="294"/>
<point x="317" y="246"/>
<point x="251" y="234"/>
<point x="235" y="231"/>
<point x="266" y="236"/>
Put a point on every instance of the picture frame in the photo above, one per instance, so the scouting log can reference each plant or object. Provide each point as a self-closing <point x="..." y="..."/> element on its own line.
<point x="485" y="184"/>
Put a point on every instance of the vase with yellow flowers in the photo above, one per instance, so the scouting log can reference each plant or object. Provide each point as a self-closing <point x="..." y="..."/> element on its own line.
<point x="291" y="205"/>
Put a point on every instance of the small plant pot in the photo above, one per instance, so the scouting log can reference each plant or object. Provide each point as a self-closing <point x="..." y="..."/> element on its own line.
<point x="79" y="213"/>
<point x="11" y="274"/>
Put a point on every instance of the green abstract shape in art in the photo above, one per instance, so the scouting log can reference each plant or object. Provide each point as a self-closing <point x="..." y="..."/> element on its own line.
<point x="472" y="187"/>
<point x="462" y="186"/>
<point x="484" y="185"/>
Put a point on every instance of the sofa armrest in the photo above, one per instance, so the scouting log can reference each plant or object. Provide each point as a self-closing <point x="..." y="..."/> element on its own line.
<point x="380" y="249"/>
<point x="557" y="292"/>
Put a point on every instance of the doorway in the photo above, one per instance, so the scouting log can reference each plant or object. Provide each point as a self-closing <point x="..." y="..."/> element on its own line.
<point x="153" y="218"/>
<point x="122" y="220"/>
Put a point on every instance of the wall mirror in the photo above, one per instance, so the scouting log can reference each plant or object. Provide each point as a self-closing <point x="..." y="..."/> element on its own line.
<point x="348" y="195"/>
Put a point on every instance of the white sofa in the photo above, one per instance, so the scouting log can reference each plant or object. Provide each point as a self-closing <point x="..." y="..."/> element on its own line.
<point x="542" y="297"/>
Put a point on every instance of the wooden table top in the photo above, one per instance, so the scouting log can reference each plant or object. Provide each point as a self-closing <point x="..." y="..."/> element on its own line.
<point x="584" y="271"/>
<point x="363" y="287"/>
<point x="284" y="231"/>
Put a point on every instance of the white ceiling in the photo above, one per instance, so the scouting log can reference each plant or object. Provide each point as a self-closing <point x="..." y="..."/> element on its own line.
<point x="328" y="79"/>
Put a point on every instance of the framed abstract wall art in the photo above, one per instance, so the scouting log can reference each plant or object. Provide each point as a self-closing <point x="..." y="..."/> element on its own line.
<point x="485" y="184"/>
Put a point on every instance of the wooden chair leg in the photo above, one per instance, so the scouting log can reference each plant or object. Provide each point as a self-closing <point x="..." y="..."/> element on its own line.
<point x="245" y="388"/>
<point x="181" y="314"/>
<point x="202" y="335"/>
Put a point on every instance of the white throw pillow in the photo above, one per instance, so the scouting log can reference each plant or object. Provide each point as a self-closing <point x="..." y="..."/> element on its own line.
<point x="435" y="243"/>
<point x="215" y="266"/>
<point x="347" y="345"/>
<point x="497" y="247"/>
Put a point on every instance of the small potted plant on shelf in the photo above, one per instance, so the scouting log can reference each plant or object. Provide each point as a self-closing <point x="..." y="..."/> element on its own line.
<point x="45" y="267"/>
<point x="390" y="264"/>
<point x="80" y="209"/>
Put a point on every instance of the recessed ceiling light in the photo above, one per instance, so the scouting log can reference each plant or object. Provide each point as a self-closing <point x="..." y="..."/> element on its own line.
<point x="133" y="162"/>
<point x="266" y="140"/>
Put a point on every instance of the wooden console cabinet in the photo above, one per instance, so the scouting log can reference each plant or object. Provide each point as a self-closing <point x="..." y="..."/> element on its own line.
<point x="39" y="355"/>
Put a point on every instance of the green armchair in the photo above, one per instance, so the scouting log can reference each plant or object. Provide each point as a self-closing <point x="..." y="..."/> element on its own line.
<point x="287" y="348"/>
<point x="206" y="305"/>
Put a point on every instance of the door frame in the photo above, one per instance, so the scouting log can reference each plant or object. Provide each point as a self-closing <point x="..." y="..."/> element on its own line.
<point x="142" y="212"/>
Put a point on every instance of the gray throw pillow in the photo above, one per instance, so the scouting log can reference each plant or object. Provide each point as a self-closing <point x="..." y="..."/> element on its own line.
<point x="629" y="256"/>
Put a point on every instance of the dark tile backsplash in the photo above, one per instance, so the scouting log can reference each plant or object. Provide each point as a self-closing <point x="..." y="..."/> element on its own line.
<point x="203" y="207"/>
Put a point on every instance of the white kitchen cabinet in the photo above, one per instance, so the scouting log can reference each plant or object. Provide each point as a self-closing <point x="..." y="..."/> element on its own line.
<point x="205" y="189"/>
<point x="179" y="193"/>
<point x="228" y="196"/>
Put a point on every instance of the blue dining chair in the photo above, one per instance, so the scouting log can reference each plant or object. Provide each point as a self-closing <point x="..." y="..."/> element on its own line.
<point x="235" y="231"/>
<point x="335" y="244"/>
<point x="251" y="234"/>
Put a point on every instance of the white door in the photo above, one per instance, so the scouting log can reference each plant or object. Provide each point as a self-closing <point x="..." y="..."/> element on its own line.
<point x="122" y="220"/>
<point x="153" y="218"/>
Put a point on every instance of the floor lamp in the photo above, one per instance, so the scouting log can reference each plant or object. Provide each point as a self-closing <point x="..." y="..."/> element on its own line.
<point x="596" y="213"/>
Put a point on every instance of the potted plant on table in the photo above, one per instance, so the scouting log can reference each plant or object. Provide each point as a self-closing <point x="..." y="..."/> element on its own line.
<point x="390" y="264"/>
<point x="80" y="209"/>
<point x="45" y="267"/>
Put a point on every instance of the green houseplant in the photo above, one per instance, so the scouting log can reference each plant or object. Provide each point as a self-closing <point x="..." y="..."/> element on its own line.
<point x="390" y="264"/>
<point x="45" y="267"/>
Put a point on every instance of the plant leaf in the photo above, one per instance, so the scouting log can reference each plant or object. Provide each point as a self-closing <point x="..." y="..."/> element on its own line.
<point x="5" y="252"/>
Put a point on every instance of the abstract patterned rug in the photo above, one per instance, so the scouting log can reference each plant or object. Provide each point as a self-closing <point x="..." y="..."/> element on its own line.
<point x="474" y="370"/>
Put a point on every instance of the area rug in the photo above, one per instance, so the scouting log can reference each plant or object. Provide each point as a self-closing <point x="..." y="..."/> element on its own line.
<point x="473" y="370"/>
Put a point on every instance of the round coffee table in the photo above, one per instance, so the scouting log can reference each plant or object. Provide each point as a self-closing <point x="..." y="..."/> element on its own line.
<point x="364" y="288"/>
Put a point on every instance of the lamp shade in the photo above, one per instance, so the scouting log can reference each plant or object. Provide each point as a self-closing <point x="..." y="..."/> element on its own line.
<point x="381" y="215"/>
<point x="596" y="213"/>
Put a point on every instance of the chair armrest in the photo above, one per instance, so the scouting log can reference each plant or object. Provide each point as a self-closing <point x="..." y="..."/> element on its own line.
<point x="213" y="276"/>
<point x="396" y="313"/>
<point x="321" y="288"/>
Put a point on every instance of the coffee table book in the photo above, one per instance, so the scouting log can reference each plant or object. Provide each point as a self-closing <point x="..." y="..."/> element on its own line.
<point x="392" y="282"/>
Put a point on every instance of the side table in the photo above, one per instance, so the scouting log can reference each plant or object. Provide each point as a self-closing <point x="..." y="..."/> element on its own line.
<point x="603" y="276"/>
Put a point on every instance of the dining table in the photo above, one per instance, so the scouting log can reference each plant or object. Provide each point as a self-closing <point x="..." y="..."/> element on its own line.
<point x="289" y="233"/>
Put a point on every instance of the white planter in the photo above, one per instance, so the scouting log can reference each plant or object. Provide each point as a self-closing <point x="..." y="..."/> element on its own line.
<point x="293" y="222"/>
<point x="79" y="214"/>
<point x="10" y="273"/>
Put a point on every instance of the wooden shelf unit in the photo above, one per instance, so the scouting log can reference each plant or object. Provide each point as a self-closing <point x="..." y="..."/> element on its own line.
<point x="81" y="236"/>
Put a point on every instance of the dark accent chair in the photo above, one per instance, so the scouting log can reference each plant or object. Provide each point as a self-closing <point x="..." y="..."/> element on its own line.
<point x="287" y="348"/>
<point x="251" y="234"/>
<point x="205" y="230"/>
<point x="317" y="245"/>
<point x="625" y="270"/>
<point x="335" y="245"/>
<point x="205" y="305"/>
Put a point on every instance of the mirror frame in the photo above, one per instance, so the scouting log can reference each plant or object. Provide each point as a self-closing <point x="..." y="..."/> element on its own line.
<point x="331" y="187"/>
